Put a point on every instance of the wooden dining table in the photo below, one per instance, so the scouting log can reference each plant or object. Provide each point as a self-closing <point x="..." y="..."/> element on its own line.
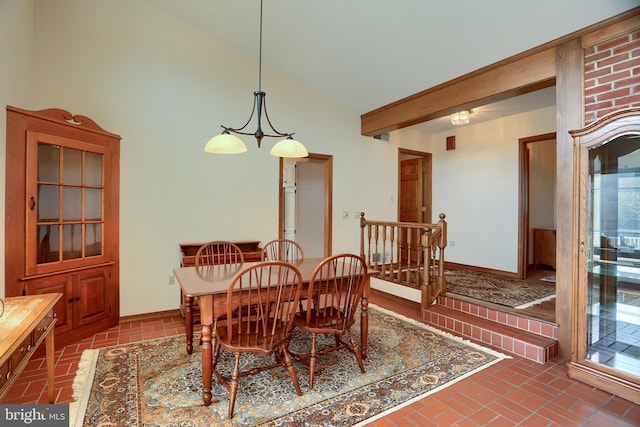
<point x="209" y="285"/>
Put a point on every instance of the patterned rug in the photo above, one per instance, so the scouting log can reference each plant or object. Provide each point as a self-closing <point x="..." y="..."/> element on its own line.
<point x="504" y="291"/>
<point x="155" y="383"/>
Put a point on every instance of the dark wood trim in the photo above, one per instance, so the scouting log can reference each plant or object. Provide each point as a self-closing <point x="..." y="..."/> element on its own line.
<point x="68" y="271"/>
<point x="523" y="200"/>
<point x="569" y="115"/>
<point x="618" y="25"/>
<point x="328" y="199"/>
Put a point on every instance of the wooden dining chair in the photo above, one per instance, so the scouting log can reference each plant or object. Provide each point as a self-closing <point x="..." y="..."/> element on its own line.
<point x="219" y="252"/>
<point x="334" y="294"/>
<point x="282" y="250"/>
<point x="260" y="305"/>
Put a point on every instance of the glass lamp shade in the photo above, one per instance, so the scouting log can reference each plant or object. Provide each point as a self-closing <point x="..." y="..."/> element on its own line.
<point x="225" y="143"/>
<point x="289" y="148"/>
<point x="460" y="118"/>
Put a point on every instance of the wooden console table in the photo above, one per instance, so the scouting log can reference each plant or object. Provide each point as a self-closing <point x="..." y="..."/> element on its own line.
<point x="25" y="323"/>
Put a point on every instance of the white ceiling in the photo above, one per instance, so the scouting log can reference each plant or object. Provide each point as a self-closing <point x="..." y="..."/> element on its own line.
<point x="365" y="54"/>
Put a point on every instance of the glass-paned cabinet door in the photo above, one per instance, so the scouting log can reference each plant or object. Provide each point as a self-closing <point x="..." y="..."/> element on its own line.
<point x="606" y="306"/>
<point x="613" y="259"/>
<point x="65" y="212"/>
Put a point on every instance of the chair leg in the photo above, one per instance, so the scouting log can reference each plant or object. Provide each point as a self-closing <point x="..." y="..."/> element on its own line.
<point x="312" y="360"/>
<point x="356" y="352"/>
<point x="233" y="390"/>
<point x="288" y="364"/>
<point x="216" y="354"/>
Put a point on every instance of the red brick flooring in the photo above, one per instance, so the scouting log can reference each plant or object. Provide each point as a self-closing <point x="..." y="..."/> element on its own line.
<point x="513" y="392"/>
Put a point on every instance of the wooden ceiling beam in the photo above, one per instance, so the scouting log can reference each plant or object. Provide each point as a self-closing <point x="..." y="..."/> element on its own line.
<point x="500" y="81"/>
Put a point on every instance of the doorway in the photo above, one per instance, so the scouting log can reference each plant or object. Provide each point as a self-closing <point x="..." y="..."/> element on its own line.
<point x="414" y="186"/>
<point x="414" y="196"/>
<point x="537" y="217"/>
<point x="305" y="203"/>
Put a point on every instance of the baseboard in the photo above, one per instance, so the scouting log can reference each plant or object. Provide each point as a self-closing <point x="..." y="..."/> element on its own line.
<point x="147" y="316"/>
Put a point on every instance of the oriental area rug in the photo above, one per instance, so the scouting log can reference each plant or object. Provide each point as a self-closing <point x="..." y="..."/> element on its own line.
<point x="155" y="383"/>
<point x="514" y="293"/>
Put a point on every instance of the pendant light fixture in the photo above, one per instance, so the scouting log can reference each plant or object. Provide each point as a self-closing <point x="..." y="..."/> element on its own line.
<point x="460" y="118"/>
<point x="227" y="143"/>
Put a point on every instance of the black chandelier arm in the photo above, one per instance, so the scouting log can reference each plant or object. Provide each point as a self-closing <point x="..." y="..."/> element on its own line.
<point x="258" y="104"/>
<point x="266" y="114"/>
<point x="239" y="130"/>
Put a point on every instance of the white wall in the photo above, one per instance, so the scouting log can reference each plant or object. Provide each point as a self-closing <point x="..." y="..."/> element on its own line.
<point x="166" y="87"/>
<point x="476" y="185"/>
<point x="17" y="36"/>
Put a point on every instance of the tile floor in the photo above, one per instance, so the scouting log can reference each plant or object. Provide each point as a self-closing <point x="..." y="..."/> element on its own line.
<point x="512" y="392"/>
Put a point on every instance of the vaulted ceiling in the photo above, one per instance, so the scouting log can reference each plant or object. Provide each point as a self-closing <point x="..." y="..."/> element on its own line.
<point x="365" y="54"/>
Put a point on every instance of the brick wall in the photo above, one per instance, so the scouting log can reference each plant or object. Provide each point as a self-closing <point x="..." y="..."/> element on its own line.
<point x="612" y="76"/>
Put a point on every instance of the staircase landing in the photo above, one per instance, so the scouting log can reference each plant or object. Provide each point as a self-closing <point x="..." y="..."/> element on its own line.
<point x="510" y="332"/>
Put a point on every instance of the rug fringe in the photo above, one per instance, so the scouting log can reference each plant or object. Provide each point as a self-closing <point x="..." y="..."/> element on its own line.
<point x="81" y="387"/>
<point x="443" y="333"/>
<point x="536" y="302"/>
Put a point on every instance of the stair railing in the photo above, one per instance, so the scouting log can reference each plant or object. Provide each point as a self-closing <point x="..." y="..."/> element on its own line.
<point x="407" y="253"/>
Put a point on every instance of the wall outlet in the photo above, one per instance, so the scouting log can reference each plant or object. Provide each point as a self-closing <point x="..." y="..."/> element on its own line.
<point x="452" y="242"/>
<point x="172" y="280"/>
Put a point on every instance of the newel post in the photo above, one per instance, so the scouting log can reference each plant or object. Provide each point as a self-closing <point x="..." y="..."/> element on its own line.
<point x="362" y="223"/>
<point x="442" y="244"/>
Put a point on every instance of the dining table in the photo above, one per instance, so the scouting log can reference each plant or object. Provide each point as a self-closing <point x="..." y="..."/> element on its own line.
<point x="209" y="285"/>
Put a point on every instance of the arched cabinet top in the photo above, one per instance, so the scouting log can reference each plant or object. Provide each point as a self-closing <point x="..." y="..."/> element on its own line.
<point x="63" y="117"/>
<point x="613" y="125"/>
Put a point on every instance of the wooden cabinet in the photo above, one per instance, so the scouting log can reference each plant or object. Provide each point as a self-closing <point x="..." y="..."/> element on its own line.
<point x="251" y="251"/>
<point x="544" y="247"/>
<point x="86" y="298"/>
<point x="604" y="307"/>
<point x="62" y="217"/>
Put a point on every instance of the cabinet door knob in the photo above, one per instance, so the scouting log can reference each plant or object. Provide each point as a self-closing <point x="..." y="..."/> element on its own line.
<point x="33" y="203"/>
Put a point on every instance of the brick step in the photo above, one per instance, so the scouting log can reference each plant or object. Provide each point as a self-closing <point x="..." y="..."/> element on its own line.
<point x="507" y="318"/>
<point x="509" y="339"/>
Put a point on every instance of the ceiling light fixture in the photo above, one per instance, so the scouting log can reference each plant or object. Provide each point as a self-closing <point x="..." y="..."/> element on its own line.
<point x="460" y="118"/>
<point x="226" y="143"/>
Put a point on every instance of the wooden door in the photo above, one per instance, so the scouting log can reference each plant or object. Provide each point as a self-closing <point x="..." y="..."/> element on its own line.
<point x="63" y="309"/>
<point x="411" y="205"/>
<point x="411" y="208"/>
